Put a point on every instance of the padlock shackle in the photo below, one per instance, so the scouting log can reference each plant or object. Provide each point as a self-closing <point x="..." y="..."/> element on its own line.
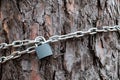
<point x="40" y="40"/>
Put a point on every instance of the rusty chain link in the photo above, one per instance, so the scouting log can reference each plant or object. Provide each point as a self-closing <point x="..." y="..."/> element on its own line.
<point x="77" y="34"/>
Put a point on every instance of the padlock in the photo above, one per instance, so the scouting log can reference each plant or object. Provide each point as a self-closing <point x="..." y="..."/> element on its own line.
<point x="42" y="50"/>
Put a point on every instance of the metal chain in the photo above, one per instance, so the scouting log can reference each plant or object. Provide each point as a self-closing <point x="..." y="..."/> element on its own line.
<point x="40" y="39"/>
<point x="78" y="34"/>
<point x="17" y="54"/>
<point x="17" y="43"/>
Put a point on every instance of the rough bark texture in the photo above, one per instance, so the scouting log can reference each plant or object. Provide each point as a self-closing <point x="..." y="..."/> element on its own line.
<point x="95" y="57"/>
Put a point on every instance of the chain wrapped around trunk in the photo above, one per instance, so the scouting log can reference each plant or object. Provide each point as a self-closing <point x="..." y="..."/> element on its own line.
<point x="77" y="34"/>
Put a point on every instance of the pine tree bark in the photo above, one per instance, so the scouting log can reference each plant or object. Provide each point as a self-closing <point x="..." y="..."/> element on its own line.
<point x="94" y="57"/>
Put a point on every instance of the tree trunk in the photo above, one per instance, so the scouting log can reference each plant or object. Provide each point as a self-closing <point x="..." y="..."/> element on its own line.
<point x="93" y="57"/>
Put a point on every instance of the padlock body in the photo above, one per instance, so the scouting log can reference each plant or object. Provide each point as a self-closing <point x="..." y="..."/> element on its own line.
<point x="43" y="50"/>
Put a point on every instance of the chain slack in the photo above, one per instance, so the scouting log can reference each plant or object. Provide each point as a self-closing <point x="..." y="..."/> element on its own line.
<point x="40" y="40"/>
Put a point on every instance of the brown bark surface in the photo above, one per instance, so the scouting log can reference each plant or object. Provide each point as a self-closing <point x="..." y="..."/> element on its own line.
<point x="94" y="57"/>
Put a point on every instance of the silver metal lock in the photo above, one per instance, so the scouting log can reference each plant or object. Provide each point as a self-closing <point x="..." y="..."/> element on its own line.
<point x="42" y="50"/>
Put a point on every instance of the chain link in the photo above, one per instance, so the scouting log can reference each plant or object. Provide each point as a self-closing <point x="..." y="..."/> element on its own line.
<point x="17" y="54"/>
<point x="41" y="39"/>
<point x="77" y="34"/>
<point x="18" y="43"/>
